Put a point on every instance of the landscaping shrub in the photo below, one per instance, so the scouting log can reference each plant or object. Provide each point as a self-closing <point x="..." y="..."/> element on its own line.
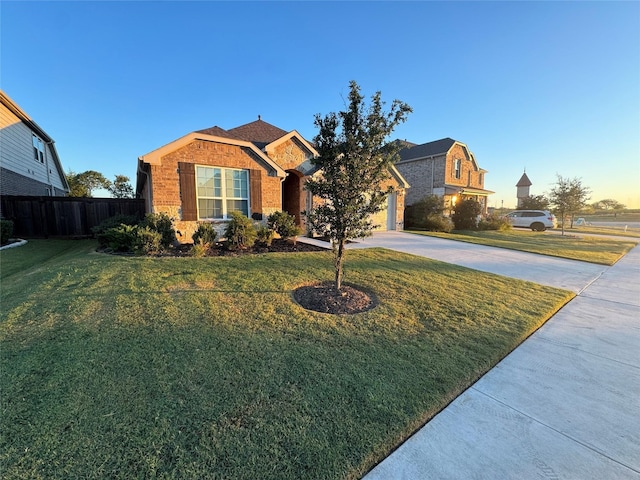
<point x="240" y="232"/>
<point x="284" y="224"/>
<point x="205" y="234"/>
<point x="160" y="222"/>
<point x="199" y="249"/>
<point x="147" y="240"/>
<point x="120" y="239"/>
<point x="494" y="222"/>
<point x="438" y="223"/>
<point x="465" y="215"/>
<point x="6" y="231"/>
<point x="113" y="222"/>
<point x="416" y="215"/>
<point x="264" y="235"/>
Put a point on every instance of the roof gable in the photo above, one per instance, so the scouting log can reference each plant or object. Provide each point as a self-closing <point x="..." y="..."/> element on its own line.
<point x="155" y="157"/>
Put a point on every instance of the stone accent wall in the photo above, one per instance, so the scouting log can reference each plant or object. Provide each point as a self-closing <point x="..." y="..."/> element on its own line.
<point x="166" y="181"/>
<point x="290" y="155"/>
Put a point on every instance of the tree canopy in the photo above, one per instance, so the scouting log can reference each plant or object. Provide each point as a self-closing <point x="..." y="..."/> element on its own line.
<point x="121" y="188"/>
<point x="83" y="184"/>
<point x="534" y="202"/>
<point x="568" y="196"/>
<point x="354" y="156"/>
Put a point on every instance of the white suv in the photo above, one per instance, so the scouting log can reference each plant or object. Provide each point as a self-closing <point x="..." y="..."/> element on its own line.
<point x="536" y="220"/>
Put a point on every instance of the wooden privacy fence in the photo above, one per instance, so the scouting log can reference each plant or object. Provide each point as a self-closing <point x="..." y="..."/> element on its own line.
<point x="38" y="217"/>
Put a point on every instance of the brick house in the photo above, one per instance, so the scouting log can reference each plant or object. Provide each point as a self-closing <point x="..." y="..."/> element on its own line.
<point x="446" y="168"/>
<point x="255" y="168"/>
<point x="29" y="162"/>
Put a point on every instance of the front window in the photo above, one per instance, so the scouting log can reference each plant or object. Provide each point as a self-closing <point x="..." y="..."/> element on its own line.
<point x="221" y="191"/>
<point x="457" y="169"/>
<point x="38" y="149"/>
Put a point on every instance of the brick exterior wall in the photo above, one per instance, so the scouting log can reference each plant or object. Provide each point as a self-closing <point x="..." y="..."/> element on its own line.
<point x="423" y="175"/>
<point x="427" y="174"/>
<point x="12" y="183"/>
<point x="166" y="180"/>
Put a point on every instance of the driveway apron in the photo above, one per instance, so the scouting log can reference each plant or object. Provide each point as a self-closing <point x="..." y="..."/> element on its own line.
<point x="564" y="404"/>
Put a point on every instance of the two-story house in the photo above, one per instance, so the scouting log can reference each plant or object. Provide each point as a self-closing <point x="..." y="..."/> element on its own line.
<point x="446" y="168"/>
<point x="29" y="163"/>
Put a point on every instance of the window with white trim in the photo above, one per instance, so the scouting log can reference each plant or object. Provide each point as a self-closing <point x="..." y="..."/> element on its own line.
<point x="458" y="168"/>
<point x="221" y="191"/>
<point x="38" y="149"/>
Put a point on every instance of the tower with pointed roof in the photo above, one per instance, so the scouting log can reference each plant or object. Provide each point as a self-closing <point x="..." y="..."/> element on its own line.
<point x="523" y="188"/>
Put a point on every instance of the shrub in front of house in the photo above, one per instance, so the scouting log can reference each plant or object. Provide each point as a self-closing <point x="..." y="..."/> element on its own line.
<point x="205" y="234"/>
<point x="494" y="222"/>
<point x="284" y="225"/>
<point x="240" y="232"/>
<point x="465" y="215"/>
<point x="147" y="240"/>
<point x="437" y="223"/>
<point x="113" y="222"/>
<point x="6" y="231"/>
<point x="264" y="235"/>
<point x="417" y="215"/>
<point x="119" y="239"/>
<point x="160" y="222"/>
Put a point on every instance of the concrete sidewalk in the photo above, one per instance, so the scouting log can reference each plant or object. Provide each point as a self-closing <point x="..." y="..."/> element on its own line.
<point x="564" y="404"/>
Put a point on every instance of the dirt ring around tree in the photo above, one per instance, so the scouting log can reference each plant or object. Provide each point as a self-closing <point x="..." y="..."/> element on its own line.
<point x="322" y="297"/>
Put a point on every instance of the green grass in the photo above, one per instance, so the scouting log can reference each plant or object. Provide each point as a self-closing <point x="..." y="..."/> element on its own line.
<point x="592" y="249"/>
<point x="130" y="367"/>
<point x="597" y="230"/>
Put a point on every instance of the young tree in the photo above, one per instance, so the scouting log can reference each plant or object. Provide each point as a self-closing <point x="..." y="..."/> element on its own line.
<point x="121" y="188"/>
<point x="82" y="184"/>
<point x="568" y="196"/>
<point x="354" y="156"/>
<point x="534" y="202"/>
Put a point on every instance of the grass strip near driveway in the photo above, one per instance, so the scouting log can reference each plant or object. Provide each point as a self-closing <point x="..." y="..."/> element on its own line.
<point x="130" y="367"/>
<point x="598" y="250"/>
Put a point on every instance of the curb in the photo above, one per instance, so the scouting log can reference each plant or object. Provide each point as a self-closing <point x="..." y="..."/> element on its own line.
<point x="18" y="243"/>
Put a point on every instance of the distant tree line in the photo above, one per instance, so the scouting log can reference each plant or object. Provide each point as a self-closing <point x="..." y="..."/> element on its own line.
<point x="83" y="184"/>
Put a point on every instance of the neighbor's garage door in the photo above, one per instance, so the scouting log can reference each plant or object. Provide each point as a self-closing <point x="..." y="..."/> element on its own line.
<point x="385" y="219"/>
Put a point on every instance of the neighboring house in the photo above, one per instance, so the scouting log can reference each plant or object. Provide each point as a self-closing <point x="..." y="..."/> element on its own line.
<point x="29" y="163"/>
<point x="446" y="168"/>
<point x="255" y="168"/>
<point x="523" y="188"/>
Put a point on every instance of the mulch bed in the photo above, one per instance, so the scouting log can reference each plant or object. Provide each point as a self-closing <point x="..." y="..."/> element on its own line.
<point x="324" y="298"/>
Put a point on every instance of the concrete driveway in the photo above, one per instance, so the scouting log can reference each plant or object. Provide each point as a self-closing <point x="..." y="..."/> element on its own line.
<point x="556" y="272"/>
<point x="565" y="404"/>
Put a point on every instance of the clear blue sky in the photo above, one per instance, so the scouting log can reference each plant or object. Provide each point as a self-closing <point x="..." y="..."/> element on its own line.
<point x="553" y="87"/>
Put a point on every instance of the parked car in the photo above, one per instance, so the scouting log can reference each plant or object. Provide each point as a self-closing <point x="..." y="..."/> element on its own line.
<point x="536" y="220"/>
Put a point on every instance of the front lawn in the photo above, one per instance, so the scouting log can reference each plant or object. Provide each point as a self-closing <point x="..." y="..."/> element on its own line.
<point x="131" y="367"/>
<point x="592" y="249"/>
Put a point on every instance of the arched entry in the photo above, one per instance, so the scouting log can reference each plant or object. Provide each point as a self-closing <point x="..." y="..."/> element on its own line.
<point x="293" y="195"/>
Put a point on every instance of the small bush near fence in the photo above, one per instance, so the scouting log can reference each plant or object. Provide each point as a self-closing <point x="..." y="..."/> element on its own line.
<point x="123" y="234"/>
<point x="6" y="231"/>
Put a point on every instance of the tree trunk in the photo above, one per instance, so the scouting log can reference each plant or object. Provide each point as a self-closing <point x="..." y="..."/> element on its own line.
<point x="339" y="262"/>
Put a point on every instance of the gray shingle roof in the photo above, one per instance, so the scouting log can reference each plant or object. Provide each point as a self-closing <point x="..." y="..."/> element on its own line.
<point x="428" y="149"/>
